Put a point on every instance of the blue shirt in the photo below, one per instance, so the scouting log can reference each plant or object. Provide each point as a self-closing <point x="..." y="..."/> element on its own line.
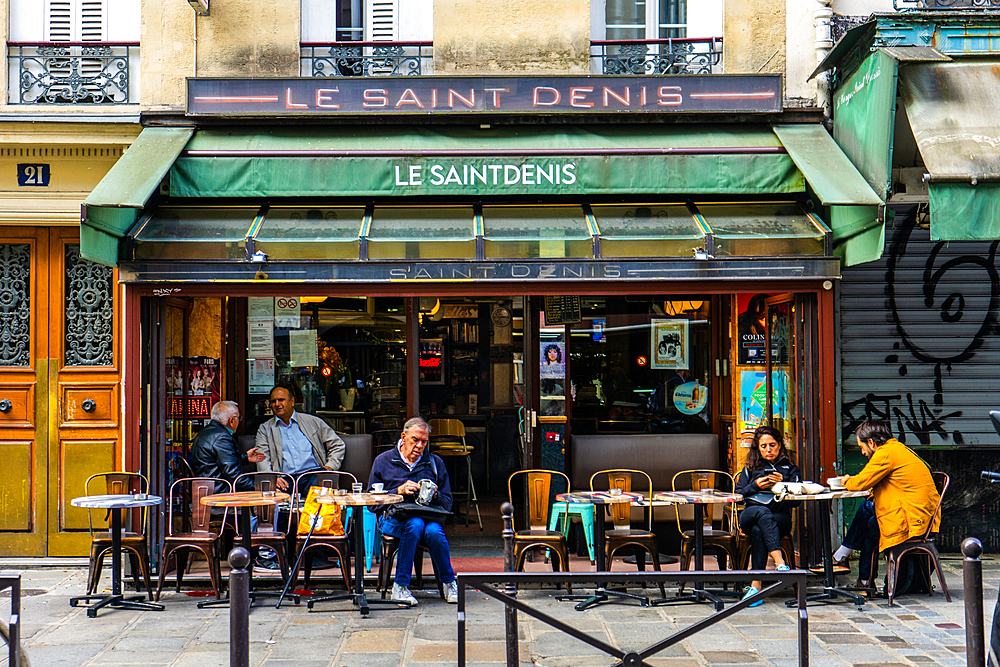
<point x="296" y="450"/>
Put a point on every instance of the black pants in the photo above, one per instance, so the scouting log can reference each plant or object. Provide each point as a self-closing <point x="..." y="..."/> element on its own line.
<point x="863" y="535"/>
<point x="765" y="529"/>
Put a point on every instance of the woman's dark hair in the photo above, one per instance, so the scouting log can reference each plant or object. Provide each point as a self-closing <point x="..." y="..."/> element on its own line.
<point x="755" y="461"/>
<point x="555" y="347"/>
<point x="874" y="429"/>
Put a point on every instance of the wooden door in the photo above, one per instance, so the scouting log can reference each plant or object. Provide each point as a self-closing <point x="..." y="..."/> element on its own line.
<point x="60" y="377"/>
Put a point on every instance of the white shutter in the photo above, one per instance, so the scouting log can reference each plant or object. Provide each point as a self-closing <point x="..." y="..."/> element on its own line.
<point x="75" y="21"/>
<point x="382" y="24"/>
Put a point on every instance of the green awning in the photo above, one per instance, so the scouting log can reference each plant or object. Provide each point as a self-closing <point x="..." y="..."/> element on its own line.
<point x="114" y="205"/>
<point x="830" y="173"/>
<point x="473" y="161"/>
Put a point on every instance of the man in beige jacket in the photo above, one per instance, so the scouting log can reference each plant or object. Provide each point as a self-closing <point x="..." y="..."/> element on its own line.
<point x="294" y="442"/>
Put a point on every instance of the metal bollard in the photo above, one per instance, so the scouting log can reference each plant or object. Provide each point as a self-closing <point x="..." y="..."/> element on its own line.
<point x="972" y="578"/>
<point x="239" y="608"/>
<point x="510" y="613"/>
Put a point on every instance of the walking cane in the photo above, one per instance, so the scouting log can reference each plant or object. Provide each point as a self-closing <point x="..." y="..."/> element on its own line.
<point x="295" y="570"/>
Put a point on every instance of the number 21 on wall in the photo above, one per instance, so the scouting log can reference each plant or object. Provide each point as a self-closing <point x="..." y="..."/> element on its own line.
<point x="36" y="175"/>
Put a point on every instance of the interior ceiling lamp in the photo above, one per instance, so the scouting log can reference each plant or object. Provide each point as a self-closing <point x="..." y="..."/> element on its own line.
<point x="200" y="7"/>
<point x="680" y="307"/>
<point x="312" y="299"/>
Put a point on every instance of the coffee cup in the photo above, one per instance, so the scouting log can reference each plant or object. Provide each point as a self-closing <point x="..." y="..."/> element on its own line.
<point x="378" y="487"/>
<point x="615" y="492"/>
<point x="426" y="494"/>
<point x="836" y="482"/>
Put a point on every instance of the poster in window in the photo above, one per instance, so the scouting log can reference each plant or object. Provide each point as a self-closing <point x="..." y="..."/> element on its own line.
<point x="751" y="324"/>
<point x="669" y="344"/>
<point x="552" y="364"/>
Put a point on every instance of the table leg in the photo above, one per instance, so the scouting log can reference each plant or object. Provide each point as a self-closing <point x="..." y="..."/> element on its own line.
<point x="116" y="600"/>
<point x="699" y="594"/>
<point x="830" y="590"/>
<point x="358" y="571"/>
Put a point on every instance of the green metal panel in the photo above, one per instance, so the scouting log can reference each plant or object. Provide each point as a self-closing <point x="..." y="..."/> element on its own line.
<point x="858" y="235"/>
<point x="828" y="171"/>
<point x="98" y="246"/>
<point x="134" y="178"/>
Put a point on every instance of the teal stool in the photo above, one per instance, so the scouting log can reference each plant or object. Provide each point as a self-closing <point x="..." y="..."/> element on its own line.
<point x="583" y="511"/>
<point x="369" y="529"/>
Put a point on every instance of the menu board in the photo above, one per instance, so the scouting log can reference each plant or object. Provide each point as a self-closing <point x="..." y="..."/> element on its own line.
<point x="562" y="310"/>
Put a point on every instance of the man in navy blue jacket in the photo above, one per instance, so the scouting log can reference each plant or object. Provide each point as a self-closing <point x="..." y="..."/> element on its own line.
<point x="401" y="470"/>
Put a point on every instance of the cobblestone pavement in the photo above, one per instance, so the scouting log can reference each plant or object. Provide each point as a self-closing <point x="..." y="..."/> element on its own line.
<point x="921" y="630"/>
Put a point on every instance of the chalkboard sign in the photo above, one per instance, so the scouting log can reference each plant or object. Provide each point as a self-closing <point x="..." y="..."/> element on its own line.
<point x="562" y="310"/>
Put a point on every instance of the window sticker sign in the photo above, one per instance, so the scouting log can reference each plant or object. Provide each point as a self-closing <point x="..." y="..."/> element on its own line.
<point x="287" y="311"/>
<point x="669" y="343"/>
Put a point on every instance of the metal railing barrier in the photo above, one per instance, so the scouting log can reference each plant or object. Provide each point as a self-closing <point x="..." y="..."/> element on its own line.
<point x="675" y="55"/>
<point x="12" y="629"/>
<point x="486" y="583"/>
<point x="72" y="72"/>
<point x="365" y="58"/>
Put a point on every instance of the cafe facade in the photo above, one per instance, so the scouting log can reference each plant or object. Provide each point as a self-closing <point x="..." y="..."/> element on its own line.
<point x="536" y="257"/>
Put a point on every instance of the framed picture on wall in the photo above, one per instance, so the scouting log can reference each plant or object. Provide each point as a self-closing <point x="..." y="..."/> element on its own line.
<point x="669" y="344"/>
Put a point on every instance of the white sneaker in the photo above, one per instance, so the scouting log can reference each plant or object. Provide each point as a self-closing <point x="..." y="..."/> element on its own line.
<point x="403" y="594"/>
<point x="451" y="592"/>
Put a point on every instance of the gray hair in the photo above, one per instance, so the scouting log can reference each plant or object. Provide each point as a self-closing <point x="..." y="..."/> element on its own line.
<point x="416" y="422"/>
<point x="224" y="411"/>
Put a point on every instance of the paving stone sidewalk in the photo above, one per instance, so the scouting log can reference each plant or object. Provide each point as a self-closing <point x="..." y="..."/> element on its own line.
<point x="921" y="630"/>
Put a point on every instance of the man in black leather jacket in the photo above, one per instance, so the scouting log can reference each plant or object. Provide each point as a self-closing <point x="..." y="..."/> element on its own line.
<point x="215" y="452"/>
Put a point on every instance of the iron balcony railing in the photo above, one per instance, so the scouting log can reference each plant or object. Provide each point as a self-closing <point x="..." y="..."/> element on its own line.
<point x="366" y="58"/>
<point x="73" y="72"/>
<point x="682" y="55"/>
<point x="945" y="4"/>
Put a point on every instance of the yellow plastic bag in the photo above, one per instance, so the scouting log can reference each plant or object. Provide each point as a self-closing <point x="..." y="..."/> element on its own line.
<point x="325" y="516"/>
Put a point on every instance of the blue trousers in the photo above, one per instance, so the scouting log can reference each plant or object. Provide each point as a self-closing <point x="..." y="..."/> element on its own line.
<point x="411" y="532"/>
<point x="863" y="535"/>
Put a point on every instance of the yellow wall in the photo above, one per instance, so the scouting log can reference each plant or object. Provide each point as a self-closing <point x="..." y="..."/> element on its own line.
<point x="754" y="37"/>
<point x="471" y="36"/>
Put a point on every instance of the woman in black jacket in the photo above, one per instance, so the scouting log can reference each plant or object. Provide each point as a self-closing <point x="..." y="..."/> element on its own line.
<point x="765" y="519"/>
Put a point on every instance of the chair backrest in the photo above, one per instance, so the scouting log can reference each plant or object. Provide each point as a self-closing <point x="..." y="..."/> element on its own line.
<point x="447" y="428"/>
<point x="539" y="489"/>
<point x="624" y="479"/>
<point x="358" y="456"/>
<point x="267" y="481"/>
<point x="186" y="495"/>
<point x="117" y="483"/>
<point x="941" y="482"/>
<point x="722" y="515"/>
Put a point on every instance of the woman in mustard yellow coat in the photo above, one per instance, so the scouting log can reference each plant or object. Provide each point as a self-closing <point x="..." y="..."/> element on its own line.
<point x="903" y="497"/>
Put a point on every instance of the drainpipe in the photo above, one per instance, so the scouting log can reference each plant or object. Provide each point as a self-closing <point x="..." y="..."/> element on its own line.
<point x="824" y="42"/>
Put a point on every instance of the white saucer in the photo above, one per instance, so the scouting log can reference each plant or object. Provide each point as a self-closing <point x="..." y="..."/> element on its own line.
<point x="377" y="493"/>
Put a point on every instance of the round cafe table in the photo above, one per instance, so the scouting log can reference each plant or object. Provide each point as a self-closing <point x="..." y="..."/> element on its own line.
<point x="116" y="503"/>
<point x="242" y="501"/>
<point x="357" y="500"/>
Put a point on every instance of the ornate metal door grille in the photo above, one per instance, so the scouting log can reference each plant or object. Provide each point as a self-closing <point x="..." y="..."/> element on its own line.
<point x="15" y="304"/>
<point x="90" y="313"/>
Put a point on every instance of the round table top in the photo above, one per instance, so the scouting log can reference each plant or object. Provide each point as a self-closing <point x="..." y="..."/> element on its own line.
<point x="594" y="497"/>
<point x="116" y="501"/>
<point x="244" y="499"/>
<point x="832" y="494"/>
<point x="359" y="499"/>
<point x="706" y="497"/>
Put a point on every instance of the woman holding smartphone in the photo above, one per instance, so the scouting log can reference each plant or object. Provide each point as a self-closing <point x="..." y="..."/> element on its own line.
<point x="765" y="519"/>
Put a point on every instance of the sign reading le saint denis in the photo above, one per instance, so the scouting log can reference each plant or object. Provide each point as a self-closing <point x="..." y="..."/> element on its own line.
<point x="428" y="95"/>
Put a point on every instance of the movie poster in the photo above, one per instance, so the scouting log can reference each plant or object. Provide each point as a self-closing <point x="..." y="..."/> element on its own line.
<point x="751" y="324"/>
<point x="669" y="344"/>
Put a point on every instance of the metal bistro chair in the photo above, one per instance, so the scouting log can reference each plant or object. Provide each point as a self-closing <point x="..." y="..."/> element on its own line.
<point x="623" y="535"/>
<point x="924" y="543"/>
<point x="118" y="483"/>
<point x="538" y="536"/>
<point x="723" y="533"/>
<point x="331" y="480"/>
<point x="448" y="440"/>
<point x="195" y="533"/>
<point x="268" y="533"/>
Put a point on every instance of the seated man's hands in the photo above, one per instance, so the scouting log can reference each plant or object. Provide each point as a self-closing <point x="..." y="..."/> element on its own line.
<point x="255" y="456"/>
<point x="282" y="484"/>
<point x="408" y="488"/>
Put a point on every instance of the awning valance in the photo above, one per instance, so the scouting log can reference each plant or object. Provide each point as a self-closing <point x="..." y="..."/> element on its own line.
<point x="298" y="166"/>
<point x="954" y="112"/>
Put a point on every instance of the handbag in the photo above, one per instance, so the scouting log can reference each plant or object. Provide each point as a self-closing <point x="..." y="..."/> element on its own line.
<point x="326" y="517"/>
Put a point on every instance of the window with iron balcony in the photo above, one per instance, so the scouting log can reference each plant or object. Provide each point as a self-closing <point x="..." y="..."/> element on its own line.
<point x="637" y="37"/>
<point x="73" y="52"/>
<point x="366" y="38"/>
